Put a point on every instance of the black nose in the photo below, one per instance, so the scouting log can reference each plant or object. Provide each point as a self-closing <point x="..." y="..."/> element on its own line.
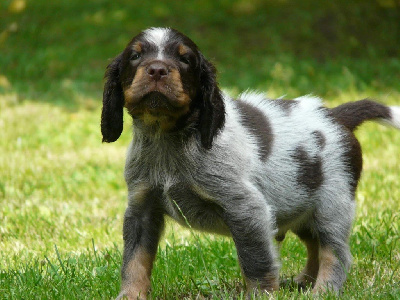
<point x="157" y="70"/>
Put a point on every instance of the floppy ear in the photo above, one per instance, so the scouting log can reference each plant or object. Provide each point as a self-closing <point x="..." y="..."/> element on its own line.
<point x="113" y="103"/>
<point x="212" y="108"/>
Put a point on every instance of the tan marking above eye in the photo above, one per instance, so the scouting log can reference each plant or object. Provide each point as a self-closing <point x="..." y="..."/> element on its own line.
<point x="182" y="49"/>
<point x="137" y="47"/>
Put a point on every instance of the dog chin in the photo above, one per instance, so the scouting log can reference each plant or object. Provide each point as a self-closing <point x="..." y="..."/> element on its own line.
<point x="156" y="100"/>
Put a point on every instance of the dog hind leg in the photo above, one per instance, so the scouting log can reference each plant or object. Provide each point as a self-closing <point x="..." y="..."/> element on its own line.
<point x="308" y="275"/>
<point x="334" y="251"/>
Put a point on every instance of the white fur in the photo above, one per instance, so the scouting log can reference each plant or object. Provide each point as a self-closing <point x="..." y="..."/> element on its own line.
<point x="290" y="131"/>
<point x="157" y="36"/>
<point x="395" y="116"/>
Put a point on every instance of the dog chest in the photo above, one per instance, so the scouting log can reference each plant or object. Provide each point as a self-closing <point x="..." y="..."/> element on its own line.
<point x="190" y="208"/>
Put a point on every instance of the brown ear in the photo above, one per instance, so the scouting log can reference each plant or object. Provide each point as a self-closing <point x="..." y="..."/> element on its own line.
<point x="113" y="103"/>
<point x="212" y="108"/>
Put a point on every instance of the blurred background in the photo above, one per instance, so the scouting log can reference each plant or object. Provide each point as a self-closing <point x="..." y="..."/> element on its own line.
<point x="57" y="51"/>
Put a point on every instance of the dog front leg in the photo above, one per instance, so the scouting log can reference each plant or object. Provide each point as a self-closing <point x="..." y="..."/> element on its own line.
<point x="251" y="226"/>
<point x="143" y="224"/>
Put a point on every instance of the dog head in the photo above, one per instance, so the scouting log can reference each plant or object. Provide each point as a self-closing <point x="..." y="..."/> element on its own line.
<point x="164" y="82"/>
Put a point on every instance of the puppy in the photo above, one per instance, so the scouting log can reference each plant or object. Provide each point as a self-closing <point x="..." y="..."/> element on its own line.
<point x="251" y="168"/>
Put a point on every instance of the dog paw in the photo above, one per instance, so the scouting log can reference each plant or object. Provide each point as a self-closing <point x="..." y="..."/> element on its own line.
<point x="304" y="281"/>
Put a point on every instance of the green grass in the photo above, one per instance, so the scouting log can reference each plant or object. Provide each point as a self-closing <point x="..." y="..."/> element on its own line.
<point x="62" y="193"/>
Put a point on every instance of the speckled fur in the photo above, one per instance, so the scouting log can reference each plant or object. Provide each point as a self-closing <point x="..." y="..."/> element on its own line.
<point x="217" y="172"/>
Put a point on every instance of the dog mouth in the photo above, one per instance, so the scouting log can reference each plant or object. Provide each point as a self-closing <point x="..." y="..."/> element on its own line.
<point x="155" y="100"/>
<point x="156" y="111"/>
<point x="153" y="103"/>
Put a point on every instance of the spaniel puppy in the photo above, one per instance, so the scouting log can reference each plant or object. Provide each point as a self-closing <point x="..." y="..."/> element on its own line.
<point x="251" y="168"/>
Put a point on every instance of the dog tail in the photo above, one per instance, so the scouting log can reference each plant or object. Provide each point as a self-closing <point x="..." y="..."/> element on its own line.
<point x="353" y="114"/>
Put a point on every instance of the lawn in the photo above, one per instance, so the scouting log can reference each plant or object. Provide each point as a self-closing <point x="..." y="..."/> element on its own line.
<point x="62" y="193"/>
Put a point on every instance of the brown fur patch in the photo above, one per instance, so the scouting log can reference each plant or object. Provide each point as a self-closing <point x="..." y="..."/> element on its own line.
<point x="327" y="260"/>
<point x="137" y="283"/>
<point x="310" y="173"/>
<point x="353" y="114"/>
<point x="165" y="122"/>
<point x="182" y="97"/>
<point x="259" y="125"/>
<point x="310" y="272"/>
<point x="130" y="91"/>
<point x="137" y="47"/>
<point x="182" y="49"/>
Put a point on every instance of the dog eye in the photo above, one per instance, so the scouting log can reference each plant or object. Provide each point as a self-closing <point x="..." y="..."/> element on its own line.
<point x="184" y="59"/>
<point x="135" y="56"/>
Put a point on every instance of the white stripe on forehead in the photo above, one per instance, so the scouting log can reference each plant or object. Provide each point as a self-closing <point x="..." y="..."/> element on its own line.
<point x="158" y="37"/>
